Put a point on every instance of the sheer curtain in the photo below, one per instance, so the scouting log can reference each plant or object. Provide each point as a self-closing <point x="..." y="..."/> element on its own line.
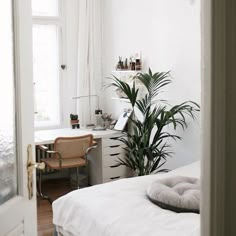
<point x="89" y="59"/>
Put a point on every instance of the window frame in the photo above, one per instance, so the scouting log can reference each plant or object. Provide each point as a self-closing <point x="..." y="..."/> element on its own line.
<point x="60" y="22"/>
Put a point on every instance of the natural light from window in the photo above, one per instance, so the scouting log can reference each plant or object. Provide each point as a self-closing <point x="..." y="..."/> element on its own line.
<point x="46" y="63"/>
<point x="45" y="7"/>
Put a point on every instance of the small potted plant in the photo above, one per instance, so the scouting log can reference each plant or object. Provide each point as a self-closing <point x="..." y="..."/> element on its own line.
<point x="74" y="121"/>
<point x="106" y="119"/>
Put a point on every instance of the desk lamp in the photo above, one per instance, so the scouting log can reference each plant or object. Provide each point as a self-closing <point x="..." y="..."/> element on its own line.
<point x="98" y="114"/>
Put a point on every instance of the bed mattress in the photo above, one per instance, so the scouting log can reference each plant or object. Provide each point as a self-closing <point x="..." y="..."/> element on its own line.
<point x="121" y="208"/>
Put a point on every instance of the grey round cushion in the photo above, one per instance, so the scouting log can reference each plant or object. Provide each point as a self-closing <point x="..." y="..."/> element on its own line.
<point x="177" y="193"/>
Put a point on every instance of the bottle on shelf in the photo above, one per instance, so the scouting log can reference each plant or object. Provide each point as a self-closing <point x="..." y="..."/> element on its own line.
<point x="138" y="61"/>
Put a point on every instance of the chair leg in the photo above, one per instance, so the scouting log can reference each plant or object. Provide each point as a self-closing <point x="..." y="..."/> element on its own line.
<point x="40" y="189"/>
<point x="77" y="175"/>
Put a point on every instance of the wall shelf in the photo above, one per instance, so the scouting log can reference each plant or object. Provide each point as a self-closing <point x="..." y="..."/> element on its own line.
<point x="125" y="75"/>
<point x="127" y="71"/>
<point x="121" y="99"/>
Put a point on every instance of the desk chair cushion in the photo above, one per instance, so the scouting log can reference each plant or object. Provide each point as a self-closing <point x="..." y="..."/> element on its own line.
<point x="73" y="147"/>
<point x="69" y="152"/>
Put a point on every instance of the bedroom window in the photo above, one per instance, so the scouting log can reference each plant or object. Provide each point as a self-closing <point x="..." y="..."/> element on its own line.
<point x="47" y="33"/>
<point x="45" y="7"/>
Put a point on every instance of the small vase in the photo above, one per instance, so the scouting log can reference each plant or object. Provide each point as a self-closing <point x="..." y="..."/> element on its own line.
<point x="107" y="123"/>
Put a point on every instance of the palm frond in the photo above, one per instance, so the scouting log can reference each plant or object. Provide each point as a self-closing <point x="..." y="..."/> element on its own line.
<point x="130" y="92"/>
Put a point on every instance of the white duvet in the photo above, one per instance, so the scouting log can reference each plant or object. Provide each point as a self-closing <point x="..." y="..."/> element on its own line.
<point x="122" y="208"/>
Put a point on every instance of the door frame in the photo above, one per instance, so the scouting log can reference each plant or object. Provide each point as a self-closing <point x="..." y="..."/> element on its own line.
<point x="20" y="212"/>
<point x="218" y="208"/>
<point x="213" y="125"/>
<point x="23" y="85"/>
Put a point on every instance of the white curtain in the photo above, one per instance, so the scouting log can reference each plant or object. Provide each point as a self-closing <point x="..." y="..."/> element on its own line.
<point x="89" y="59"/>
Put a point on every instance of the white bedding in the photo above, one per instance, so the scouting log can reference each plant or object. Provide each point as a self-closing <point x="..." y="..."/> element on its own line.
<point x="121" y="208"/>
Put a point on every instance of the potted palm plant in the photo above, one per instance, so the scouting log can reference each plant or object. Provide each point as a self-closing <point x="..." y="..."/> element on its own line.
<point x="147" y="142"/>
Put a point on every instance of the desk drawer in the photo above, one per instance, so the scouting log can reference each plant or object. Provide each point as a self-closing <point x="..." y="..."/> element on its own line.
<point x="112" y="179"/>
<point x="114" y="172"/>
<point x="113" y="150"/>
<point x="107" y="142"/>
<point x="111" y="160"/>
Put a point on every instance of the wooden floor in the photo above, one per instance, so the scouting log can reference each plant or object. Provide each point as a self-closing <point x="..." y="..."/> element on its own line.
<point x="55" y="189"/>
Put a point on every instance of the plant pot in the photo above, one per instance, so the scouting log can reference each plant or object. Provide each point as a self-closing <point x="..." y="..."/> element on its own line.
<point x="74" y="121"/>
<point x="107" y="123"/>
<point x="132" y="173"/>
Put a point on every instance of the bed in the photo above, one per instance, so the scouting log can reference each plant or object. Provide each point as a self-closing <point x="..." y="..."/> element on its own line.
<point x="121" y="208"/>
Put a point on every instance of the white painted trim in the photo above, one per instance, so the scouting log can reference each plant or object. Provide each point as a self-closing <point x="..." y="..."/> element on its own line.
<point x="18" y="97"/>
<point x="23" y="79"/>
<point x="21" y="210"/>
<point x="63" y="60"/>
<point x="206" y="117"/>
<point x="47" y="21"/>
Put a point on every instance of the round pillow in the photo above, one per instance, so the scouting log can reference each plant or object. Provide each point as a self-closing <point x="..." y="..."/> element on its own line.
<point x="177" y="193"/>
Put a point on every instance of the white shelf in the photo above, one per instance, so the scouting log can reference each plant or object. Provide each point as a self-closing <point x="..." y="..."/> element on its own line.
<point x="125" y="75"/>
<point x="121" y="99"/>
<point x="127" y="71"/>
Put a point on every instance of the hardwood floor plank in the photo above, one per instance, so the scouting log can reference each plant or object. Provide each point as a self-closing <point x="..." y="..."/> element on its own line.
<point x="55" y="189"/>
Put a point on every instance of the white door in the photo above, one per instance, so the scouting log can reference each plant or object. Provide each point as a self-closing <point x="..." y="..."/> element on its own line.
<point x="17" y="212"/>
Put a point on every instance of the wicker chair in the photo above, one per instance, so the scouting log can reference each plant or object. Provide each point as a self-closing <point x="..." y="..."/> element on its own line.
<point x="69" y="152"/>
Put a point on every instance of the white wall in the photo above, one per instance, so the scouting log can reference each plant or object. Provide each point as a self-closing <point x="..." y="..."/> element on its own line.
<point x="168" y="34"/>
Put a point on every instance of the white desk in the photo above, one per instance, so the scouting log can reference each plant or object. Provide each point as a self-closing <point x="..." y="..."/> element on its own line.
<point x="102" y="160"/>
<point x="48" y="136"/>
